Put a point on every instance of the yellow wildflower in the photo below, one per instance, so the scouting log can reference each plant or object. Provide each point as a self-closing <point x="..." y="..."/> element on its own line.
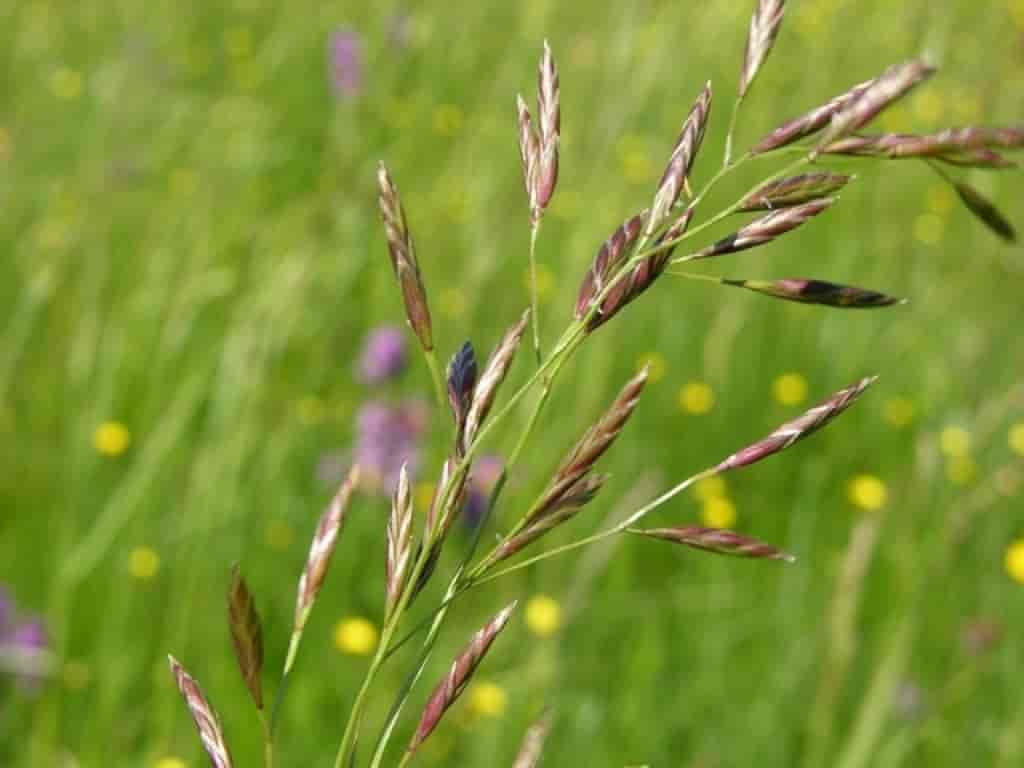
<point x="1014" y="560"/>
<point x="143" y="563"/>
<point x="111" y="438"/>
<point x="170" y="762"/>
<point x="709" y="487"/>
<point x="1016" y="438"/>
<point x="928" y="228"/>
<point x="696" y="397"/>
<point x="955" y="441"/>
<point x="790" y="389"/>
<point x="867" y="492"/>
<point x="487" y="699"/>
<point x="543" y="615"/>
<point x="718" y="512"/>
<point x="355" y="636"/>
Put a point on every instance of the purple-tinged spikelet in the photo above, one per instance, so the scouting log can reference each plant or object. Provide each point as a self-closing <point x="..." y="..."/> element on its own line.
<point x="721" y="542"/>
<point x="764" y="28"/>
<point x="246" y="635"/>
<point x="766" y="229"/>
<point x="679" y="164"/>
<point x="461" y="384"/>
<point x="399" y="542"/>
<point x="612" y="254"/>
<point x="549" y="123"/>
<point x="818" y="292"/>
<point x="533" y="742"/>
<point x="808" y="123"/>
<point x="792" y="190"/>
<point x="797" y="429"/>
<point x="529" y="152"/>
<point x="493" y="375"/>
<point x="960" y="147"/>
<point x="403" y="259"/>
<point x="203" y="715"/>
<point x="459" y="675"/>
<point x="983" y="208"/>
<point x="893" y="84"/>
<point x="322" y="548"/>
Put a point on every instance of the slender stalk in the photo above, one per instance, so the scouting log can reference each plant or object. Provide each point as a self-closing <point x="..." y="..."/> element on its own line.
<point x="534" y="315"/>
<point x="435" y="376"/>
<point x="268" y="740"/>
<point x="732" y="129"/>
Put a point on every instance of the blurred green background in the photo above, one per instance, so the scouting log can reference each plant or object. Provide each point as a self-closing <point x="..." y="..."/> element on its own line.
<point x="191" y="256"/>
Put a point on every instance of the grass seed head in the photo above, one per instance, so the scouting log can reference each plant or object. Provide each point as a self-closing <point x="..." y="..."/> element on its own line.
<point x="818" y="292"/>
<point x="764" y="28"/>
<point x="719" y="541"/>
<point x="203" y="715"/>
<point x="246" y="635"/>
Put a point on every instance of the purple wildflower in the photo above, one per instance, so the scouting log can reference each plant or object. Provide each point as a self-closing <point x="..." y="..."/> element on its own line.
<point x="387" y="436"/>
<point x="486" y="471"/>
<point x="23" y="644"/>
<point x="383" y="355"/>
<point x="345" y="63"/>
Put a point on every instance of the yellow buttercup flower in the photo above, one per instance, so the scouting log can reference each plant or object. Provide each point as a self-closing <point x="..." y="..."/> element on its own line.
<point x="355" y="636"/>
<point x="655" y="366"/>
<point x="487" y="699"/>
<point x="543" y="615"/>
<point x="170" y="762"/>
<point x="143" y="563"/>
<point x="867" y="492"/>
<point x="111" y="438"/>
<point x="790" y="389"/>
<point x="1016" y="438"/>
<point x="718" y="512"/>
<point x="898" y="411"/>
<point x="709" y="487"/>
<point x="1014" y="560"/>
<point x="955" y="441"/>
<point x="696" y="398"/>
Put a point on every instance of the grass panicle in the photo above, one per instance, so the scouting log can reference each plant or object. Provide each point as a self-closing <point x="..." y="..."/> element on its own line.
<point x="459" y="674"/>
<point x="797" y="429"/>
<point x="952" y="147"/>
<point x="246" y="635"/>
<point x="721" y="542"/>
<point x="403" y="259"/>
<point x="549" y="126"/>
<point x="211" y="733"/>
<point x="612" y="254"/>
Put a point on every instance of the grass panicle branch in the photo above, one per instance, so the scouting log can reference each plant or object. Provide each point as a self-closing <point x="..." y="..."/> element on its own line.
<point x="793" y="431"/>
<point x="459" y="674"/>
<point x="721" y="542"/>
<point x="203" y="715"/>
<point x="246" y="635"/>
<point x="986" y="211"/>
<point x="954" y="147"/>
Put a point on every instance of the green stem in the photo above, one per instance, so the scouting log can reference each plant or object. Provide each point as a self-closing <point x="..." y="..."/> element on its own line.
<point x="534" y="315"/>
<point x="268" y="740"/>
<point x="732" y="129"/>
<point x="435" y="376"/>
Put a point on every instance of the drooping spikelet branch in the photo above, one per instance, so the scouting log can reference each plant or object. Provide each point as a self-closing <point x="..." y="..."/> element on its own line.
<point x="322" y="549"/>
<point x="533" y="742"/>
<point x="493" y="375"/>
<point x="721" y="542"/>
<point x="399" y="542"/>
<point x="764" y="28"/>
<point x="246" y="635"/>
<point x="766" y="229"/>
<point x="817" y="292"/>
<point x="897" y="81"/>
<point x="793" y="431"/>
<point x="685" y="151"/>
<point x="207" y="723"/>
<point x="459" y="674"/>
<point x="792" y="190"/>
<point x="403" y="259"/>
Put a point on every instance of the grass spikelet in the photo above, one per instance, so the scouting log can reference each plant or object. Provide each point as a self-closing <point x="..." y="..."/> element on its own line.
<point x="399" y="542"/>
<point x="822" y="292"/>
<point x="459" y="674"/>
<point x="681" y="161"/>
<point x="246" y="635"/>
<point x="403" y="259"/>
<point x="207" y="723"/>
<point x="610" y="257"/>
<point x="764" y="28"/>
<point x="721" y="542"/>
<point x="793" y="431"/>
<point x="766" y="229"/>
<point x="549" y="123"/>
<point x="986" y="211"/>
<point x="962" y="148"/>
<point x="529" y="152"/>
<point x="533" y="742"/>
<point x="319" y="559"/>
<point x="897" y="81"/>
<point x="461" y="379"/>
<point x="808" y="123"/>
<point x="792" y="190"/>
<point x="493" y="375"/>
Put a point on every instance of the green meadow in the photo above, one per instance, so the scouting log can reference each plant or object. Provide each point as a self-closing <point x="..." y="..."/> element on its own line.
<point x="191" y="256"/>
